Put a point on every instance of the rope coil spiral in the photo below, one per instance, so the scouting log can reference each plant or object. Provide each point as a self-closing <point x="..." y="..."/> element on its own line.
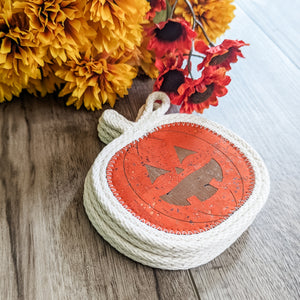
<point x="136" y="238"/>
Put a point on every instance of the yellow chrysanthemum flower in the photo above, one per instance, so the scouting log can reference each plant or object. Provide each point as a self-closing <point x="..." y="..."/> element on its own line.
<point x="95" y="81"/>
<point x="59" y="25"/>
<point x="215" y="15"/>
<point x="7" y="92"/>
<point x="118" y="23"/>
<point x="48" y="84"/>
<point x="20" y="56"/>
<point x="141" y="57"/>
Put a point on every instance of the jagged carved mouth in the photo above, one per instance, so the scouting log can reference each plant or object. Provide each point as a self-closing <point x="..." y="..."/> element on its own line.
<point x="196" y="184"/>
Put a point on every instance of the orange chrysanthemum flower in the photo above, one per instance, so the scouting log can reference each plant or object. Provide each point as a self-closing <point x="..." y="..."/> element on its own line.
<point x="20" y="56"/>
<point x="215" y="15"/>
<point x="48" y="84"/>
<point x="140" y="57"/>
<point x="118" y="23"/>
<point x="59" y="25"/>
<point x="94" y="81"/>
<point x="7" y="92"/>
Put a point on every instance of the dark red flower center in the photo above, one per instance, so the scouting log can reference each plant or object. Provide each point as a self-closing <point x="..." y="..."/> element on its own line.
<point x="217" y="60"/>
<point x="152" y="2"/>
<point x="171" y="81"/>
<point x="197" y="97"/>
<point x="171" y="32"/>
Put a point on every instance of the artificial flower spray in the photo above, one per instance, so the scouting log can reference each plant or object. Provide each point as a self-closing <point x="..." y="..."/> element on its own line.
<point x="175" y="41"/>
<point x="89" y="52"/>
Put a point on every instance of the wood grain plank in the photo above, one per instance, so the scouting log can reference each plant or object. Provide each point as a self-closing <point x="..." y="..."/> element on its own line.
<point x="54" y="247"/>
<point x="262" y="107"/>
<point x="8" y="278"/>
<point x="49" y="248"/>
<point x="280" y="21"/>
<point x="175" y="285"/>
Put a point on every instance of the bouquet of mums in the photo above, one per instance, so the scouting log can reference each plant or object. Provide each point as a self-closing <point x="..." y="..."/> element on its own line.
<point x="89" y="52"/>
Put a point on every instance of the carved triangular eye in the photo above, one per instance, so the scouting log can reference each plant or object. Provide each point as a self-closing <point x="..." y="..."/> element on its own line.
<point x="182" y="153"/>
<point x="178" y="170"/>
<point x="155" y="172"/>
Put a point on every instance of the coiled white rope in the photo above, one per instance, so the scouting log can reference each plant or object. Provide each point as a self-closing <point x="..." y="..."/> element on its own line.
<point x="111" y="124"/>
<point x="137" y="239"/>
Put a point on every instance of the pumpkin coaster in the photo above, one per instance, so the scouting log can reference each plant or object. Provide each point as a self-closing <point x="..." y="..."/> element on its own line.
<point x="172" y="191"/>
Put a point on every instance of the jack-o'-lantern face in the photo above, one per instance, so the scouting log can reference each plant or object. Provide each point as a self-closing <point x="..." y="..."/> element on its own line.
<point x="181" y="178"/>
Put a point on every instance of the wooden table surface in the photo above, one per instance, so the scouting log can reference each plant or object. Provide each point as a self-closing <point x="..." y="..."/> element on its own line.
<point x="49" y="249"/>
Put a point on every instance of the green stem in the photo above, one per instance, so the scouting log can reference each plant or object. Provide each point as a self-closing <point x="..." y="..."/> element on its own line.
<point x="195" y="55"/>
<point x="196" y="21"/>
<point x="173" y="9"/>
<point x="201" y="26"/>
<point x="189" y="61"/>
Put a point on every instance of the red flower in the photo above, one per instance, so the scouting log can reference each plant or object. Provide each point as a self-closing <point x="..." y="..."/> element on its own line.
<point x="171" y="35"/>
<point x="222" y="55"/>
<point x="171" y="76"/>
<point x="201" y="93"/>
<point x="156" y="6"/>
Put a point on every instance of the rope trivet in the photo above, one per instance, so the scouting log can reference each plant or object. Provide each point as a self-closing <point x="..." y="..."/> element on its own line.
<point x="172" y="191"/>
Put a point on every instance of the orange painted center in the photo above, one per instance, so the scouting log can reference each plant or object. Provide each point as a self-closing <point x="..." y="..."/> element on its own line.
<point x="181" y="178"/>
